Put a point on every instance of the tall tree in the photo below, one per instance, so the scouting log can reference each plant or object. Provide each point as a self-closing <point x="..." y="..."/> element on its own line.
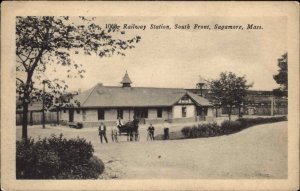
<point x="282" y="77"/>
<point x="229" y="90"/>
<point x="43" y="42"/>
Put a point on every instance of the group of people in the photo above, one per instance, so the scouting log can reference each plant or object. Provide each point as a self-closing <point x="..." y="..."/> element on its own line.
<point x="115" y="130"/>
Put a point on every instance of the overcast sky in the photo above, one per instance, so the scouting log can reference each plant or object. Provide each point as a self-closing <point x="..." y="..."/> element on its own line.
<point x="175" y="58"/>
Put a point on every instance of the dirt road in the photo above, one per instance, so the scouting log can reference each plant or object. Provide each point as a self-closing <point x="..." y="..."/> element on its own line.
<point x="256" y="152"/>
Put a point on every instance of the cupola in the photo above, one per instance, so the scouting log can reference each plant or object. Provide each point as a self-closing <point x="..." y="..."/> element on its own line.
<point x="126" y="81"/>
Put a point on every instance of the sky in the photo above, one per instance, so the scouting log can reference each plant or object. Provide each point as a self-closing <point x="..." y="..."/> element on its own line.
<point x="176" y="57"/>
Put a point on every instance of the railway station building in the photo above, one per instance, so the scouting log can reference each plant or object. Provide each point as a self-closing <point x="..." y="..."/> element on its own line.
<point x="150" y="105"/>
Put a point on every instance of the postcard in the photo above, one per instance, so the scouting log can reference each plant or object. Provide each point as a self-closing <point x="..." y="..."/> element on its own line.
<point x="149" y="95"/>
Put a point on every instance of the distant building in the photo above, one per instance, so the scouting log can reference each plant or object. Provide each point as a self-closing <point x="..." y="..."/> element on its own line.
<point x="35" y="113"/>
<point x="35" y="110"/>
<point x="150" y="105"/>
<point x="258" y="102"/>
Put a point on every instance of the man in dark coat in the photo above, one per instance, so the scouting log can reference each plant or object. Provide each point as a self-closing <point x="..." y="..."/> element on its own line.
<point x="151" y="132"/>
<point x="102" y="132"/>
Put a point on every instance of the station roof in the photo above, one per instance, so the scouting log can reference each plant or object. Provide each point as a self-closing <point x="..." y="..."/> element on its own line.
<point x="114" y="96"/>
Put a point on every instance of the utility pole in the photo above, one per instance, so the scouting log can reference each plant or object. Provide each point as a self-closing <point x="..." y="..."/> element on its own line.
<point x="272" y="105"/>
<point x="200" y="84"/>
<point x="43" y="119"/>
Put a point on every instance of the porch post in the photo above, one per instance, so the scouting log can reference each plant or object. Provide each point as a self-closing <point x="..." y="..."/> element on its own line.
<point x="129" y="113"/>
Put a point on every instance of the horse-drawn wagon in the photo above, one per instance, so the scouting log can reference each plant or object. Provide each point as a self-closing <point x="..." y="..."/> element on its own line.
<point x="130" y="129"/>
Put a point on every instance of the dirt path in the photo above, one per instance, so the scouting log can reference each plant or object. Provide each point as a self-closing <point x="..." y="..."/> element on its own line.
<point x="256" y="152"/>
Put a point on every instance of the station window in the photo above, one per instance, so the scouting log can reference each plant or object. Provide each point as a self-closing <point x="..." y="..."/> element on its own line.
<point x="141" y="113"/>
<point x="100" y="114"/>
<point x="183" y="111"/>
<point x="120" y="113"/>
<point x="83" y="115"/>
<point x="159" y="112"/>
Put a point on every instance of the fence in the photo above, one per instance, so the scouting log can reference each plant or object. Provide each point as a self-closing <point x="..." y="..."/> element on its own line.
<point x="35" y="118"/>
<point x="259" y="110"/>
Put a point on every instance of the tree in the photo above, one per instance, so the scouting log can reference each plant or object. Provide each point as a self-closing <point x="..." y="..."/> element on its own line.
<point x="282" y="77"/>
<point x="228" y="91"/>
<point x="44" y="42"/>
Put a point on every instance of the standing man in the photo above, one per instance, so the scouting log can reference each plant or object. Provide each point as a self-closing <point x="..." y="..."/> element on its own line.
<point x="119" y="122"/>
<point x="148" y="134"/>
<point x="151" y="132"/>
<point x="102" y="132"/>
<point x="114" y="134"/>
<point x="115" y="130"/>
<point x="166" y="130"/>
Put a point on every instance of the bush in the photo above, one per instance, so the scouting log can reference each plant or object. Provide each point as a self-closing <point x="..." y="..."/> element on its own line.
<point x="226" y="127"/>
<point x="56" y="158"/>
<point x="247" y="122"/>
<point x="185" y="131"/>
<point x="92" y="169"/>
<point x="201" y="130"/>
<point x="231" y="126"/>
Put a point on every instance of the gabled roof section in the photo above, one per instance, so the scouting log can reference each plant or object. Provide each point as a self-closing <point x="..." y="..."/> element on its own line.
<point x="200" y="101"/>
<point x="83" y="97"/>
<point x="113" y="96"/>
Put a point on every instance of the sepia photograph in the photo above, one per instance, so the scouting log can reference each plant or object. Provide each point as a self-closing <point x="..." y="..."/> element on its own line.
<point x="121" y="97"/>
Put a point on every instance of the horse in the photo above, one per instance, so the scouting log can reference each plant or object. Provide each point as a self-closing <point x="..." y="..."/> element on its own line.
<point x="130" y="129"/>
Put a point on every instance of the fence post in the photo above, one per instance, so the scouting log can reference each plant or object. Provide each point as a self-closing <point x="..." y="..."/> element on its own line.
<point x="57" y="116"/>
<point x="30" y="119"/>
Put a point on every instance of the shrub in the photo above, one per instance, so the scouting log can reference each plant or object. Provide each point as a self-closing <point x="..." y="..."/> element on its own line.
<point x="226" y="127"/>
<point x="254" y="121"/>
<point x="185" y="131"/>
<point x="56" y="158"/>
<point x="231" y="126"/>
<point x="92" y="169"/>
<point x="201" y="130"/>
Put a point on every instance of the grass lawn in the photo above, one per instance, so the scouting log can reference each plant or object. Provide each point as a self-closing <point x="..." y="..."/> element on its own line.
<point x="254" y="153"/>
